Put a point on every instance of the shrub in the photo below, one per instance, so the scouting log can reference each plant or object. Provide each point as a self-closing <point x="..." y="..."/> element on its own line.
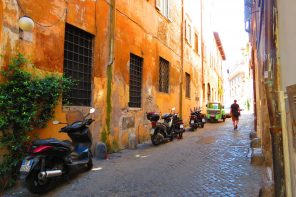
<point x="27" y="102"/>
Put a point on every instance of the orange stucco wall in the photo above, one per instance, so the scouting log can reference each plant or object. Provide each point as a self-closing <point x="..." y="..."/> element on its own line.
<point x="46" y="50"/>
<point x="139" y="29"/>
<point x="150" y="38"/>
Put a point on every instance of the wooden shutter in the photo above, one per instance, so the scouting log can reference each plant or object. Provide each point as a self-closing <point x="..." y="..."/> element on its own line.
<point x="158" y="4"/>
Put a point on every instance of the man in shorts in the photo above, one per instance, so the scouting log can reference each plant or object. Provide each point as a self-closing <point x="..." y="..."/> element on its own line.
<point x="235" y="113"/>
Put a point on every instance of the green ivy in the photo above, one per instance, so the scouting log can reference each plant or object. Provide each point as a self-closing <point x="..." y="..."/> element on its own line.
<point x="27" y="102"/>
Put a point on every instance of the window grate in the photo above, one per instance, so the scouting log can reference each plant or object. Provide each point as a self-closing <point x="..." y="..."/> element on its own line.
<point x="78" y="58"/>
<point x="187" y="78"/>
<point x="135" y="90"/>
<point x="164" y="73"/>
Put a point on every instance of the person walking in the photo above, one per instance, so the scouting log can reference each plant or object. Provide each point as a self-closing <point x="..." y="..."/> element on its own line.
<point x="235" y="113"/>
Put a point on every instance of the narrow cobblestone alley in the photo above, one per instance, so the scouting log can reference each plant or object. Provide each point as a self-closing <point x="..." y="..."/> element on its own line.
<point x="208" y="162"/>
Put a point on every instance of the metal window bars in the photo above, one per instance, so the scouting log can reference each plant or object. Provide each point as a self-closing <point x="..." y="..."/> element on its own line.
<point x="135" y="89"/>
<point x="78" y="58"/>
<point x="164" y="74"/>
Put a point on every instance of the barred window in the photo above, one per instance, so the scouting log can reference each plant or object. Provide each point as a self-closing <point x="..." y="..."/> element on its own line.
<point x="187" y="78"/>
<point x="135" y="90"/>
<point x="78" y="57"/>
<point x="164" y="73"/>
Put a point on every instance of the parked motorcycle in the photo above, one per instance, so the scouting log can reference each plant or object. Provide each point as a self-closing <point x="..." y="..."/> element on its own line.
<point x="51" y="158"/>
<point x="171" y="127"/>
<point x="197" y="119"/>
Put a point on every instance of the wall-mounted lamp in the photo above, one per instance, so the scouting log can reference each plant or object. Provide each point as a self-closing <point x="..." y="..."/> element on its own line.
<point x="26" y="24"/>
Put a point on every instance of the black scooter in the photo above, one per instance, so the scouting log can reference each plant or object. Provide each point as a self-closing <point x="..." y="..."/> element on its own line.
<point x="171" y="127"/>
<point x="51" y="158"/>
<point x="197" y="119"/>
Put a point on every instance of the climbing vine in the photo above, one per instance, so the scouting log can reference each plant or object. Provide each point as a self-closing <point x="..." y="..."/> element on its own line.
<point x="27" y="102"/>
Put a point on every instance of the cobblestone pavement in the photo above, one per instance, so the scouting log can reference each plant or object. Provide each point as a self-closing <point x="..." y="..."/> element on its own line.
<point x="208" y="162"/>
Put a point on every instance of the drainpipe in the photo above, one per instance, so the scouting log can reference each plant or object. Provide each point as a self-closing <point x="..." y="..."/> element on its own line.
<point x="182" y="61"/>
<point x="202" y="61"/>
<point x="272" y="90"/>
<point x="110" y="64"/>
<point x="254" y="89"/>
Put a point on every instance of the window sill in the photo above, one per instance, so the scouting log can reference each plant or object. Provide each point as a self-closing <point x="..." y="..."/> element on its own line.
<point x="134" y="109"/>
<point x="165" y="17"/>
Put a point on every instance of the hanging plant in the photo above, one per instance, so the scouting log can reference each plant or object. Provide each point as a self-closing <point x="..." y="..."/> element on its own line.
<point x="27" y="102"/>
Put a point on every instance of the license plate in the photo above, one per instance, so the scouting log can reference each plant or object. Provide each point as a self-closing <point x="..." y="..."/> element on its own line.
<point x="192" y="121"/>
<point x="213" y="116"/>
<point x="181" y="126"/>
<point x="26" y="165"/>
<point x="203" y="120"/>
<point x="152" y="131"/>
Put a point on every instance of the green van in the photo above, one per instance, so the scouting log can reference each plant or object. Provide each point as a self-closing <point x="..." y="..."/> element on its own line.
<point x="215" y="112"/>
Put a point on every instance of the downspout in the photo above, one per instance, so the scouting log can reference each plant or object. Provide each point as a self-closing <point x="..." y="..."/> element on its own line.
<point x="272" y="90"/>
<point x="202" y="61"/>
<point x="182" y="61"/>
<point x="110" y="65"/>
<point x="254" y="90"/>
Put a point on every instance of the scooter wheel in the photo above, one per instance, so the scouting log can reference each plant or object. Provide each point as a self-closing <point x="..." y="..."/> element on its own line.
<point x="180" y="135"/>
<point x="37" y="186"/>
<point x="89" y="164"/>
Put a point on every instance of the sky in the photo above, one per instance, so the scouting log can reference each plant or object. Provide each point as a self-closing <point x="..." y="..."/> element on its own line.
<point x="228" y="20"/>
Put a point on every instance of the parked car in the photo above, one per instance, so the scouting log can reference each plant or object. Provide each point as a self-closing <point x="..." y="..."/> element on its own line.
<point x="215" y="112"/>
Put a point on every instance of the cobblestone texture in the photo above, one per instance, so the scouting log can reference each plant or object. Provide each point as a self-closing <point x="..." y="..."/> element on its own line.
<point x="208" y="162"/>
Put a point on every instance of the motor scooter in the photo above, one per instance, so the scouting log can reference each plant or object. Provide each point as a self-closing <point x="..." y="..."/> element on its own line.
<point x="51" y="158"/>
<point x="197" y="119"/>
<point x="171" y="127"/>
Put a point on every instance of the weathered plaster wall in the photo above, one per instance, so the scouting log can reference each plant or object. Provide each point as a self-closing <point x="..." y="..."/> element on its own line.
<point x="150" y="38"/>
<point x="46" y="50"/>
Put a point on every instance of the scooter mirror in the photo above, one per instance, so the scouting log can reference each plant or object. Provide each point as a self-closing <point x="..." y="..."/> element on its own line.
<point x="55" y="122"/>
<point x="92" y="110"/>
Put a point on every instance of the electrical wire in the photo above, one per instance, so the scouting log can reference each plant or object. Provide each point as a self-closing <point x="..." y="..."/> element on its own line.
<point x="42" y="25"/>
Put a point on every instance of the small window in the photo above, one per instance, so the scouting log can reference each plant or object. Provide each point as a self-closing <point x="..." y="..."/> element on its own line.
<point x="188" y="32"/>
<point x="164" y="73"/>
<point x="196" y="43"/>
<point x="187" y="78"/>
<point x="78" y="58"/>
<point x="164" y="7"/>
<point x="135" y="89"/>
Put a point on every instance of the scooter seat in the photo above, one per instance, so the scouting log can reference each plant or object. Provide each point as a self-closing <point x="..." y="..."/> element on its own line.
<point x="52" y="141"/>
